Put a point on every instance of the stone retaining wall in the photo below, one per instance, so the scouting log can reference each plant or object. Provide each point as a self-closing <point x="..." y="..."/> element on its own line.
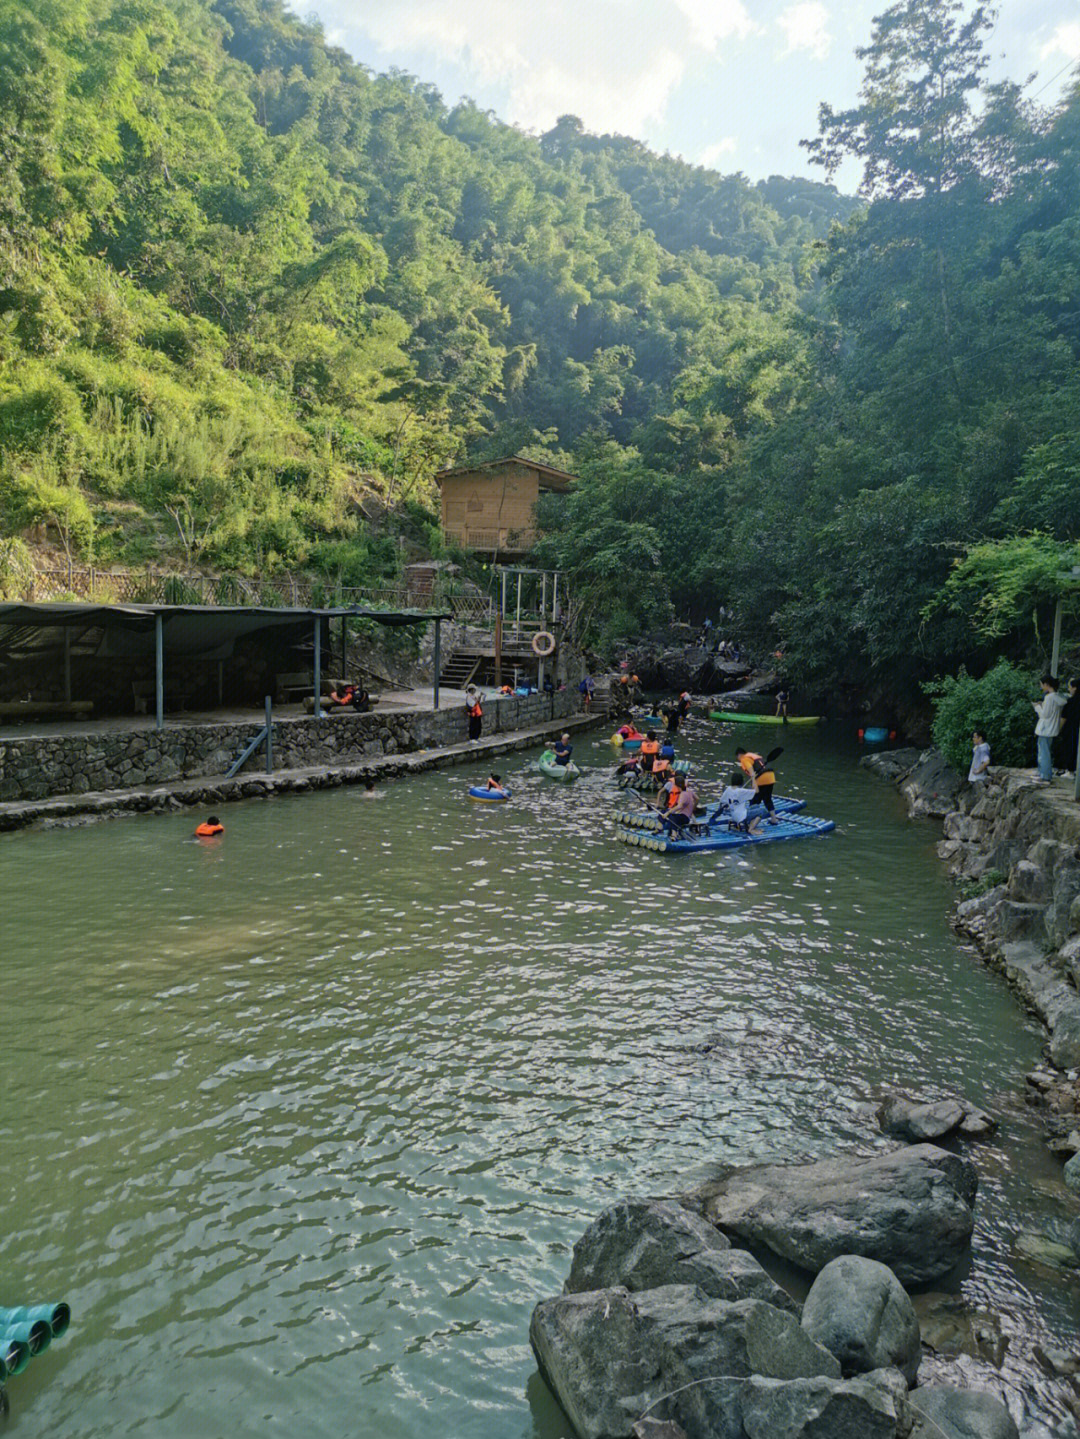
<point x="39" y="766"/>
<point x="1016" y="844"/>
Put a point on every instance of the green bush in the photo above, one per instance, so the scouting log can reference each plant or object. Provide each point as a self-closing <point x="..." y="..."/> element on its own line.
<point x="1000" y="701"/>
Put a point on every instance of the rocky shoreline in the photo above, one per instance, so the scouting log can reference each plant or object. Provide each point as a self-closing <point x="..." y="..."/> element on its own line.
<point x="670" y="1327"/>
<point x="1013" y="847"/>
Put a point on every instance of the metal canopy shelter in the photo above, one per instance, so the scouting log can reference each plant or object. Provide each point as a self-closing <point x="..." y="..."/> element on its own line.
<point x="210" y="632"/>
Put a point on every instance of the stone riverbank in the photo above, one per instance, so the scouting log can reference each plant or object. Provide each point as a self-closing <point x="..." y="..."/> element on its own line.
<point x="335" y="758"/>
<point x="1013" y="846"/>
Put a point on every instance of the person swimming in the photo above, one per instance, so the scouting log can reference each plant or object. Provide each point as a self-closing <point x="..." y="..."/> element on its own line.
<point x="209" y="828"/>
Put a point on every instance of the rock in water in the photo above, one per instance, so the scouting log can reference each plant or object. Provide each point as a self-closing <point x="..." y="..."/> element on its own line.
<point x="611" y="1357"/>
<point x="910" y="1209"/>
<point x="859" y="1311"/>
<point x="643" y="1243"/>
<point x="917" y="1121"/>
<point x="960" y="1414"/>
<point x="818" y="1409"/>
<point x="589" y="1350"/>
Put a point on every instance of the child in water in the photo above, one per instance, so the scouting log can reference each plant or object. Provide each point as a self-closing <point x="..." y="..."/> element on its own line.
<point x="209" y="828"/>
<point x="494" y="781"/>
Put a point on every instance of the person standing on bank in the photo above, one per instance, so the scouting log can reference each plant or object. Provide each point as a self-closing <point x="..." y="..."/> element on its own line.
<point x="979" y="772"/>
<point x="474" y="710"/>
<point x="1070" y="729"/>
<point x="1047" y="726"/>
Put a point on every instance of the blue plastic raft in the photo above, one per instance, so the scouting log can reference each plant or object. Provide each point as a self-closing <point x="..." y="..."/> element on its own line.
<point x="875" y="735"/>
<point x="641" y="817"/>
<point x="488" y="796"/>
<point x="721" y="837"/>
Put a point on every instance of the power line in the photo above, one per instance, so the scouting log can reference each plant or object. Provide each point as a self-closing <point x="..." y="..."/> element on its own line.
<point x="1067" y="66"/>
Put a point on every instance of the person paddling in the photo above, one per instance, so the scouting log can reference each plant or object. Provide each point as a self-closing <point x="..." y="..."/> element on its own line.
<point x="681" y="814"/>
<point x="758" y="770"/>
<point x="564" y="750"/>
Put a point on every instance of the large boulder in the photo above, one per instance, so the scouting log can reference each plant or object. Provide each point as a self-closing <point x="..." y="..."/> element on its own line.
<point x="611" y="1358"/>
<point x="818" y="1409"/>
<point x="643" y="1243"/>
<point x="859" y="1311"/>
<point x="960" y="1414"/>
<point x="910" y="1209"/>
<point x="931" y="788"/>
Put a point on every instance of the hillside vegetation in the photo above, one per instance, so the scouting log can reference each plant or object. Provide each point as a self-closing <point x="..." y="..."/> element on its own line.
<point x="244" y="283"/>
<point x="252" y="294"/>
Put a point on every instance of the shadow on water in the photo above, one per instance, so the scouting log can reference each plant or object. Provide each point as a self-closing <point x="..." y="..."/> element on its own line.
<point x="304" y="1123"/>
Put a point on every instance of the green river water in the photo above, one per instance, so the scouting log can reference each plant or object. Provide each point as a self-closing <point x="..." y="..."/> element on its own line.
<point x="303" y="1122"/>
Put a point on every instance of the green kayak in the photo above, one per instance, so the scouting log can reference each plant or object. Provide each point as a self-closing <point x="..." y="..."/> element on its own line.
<point x="563" y="773"/>
<point x="734" y="717"/>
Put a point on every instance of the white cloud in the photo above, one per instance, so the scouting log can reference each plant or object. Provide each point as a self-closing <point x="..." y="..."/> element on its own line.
<point x="1064" y="41"/>
<point x="615" y="63"/>
<point x="712" y="154"/>
<point x="806" y="26"/>
<point x="714" y="20"/>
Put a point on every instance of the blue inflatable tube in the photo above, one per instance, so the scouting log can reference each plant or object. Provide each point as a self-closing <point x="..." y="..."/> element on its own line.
<point x="488" y="796"/>
<point x="875" y="735"/>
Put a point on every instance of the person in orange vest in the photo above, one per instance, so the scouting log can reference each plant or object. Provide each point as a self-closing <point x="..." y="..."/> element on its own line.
<point x="475" y="712"/>
<point x="209" y="828"/>
<point x="763" y="778"/>
<point x="650" y="749"/>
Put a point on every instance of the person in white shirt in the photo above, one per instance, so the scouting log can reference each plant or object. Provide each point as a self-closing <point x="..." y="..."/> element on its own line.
<point x="1049" y="710"/>
<point x="734" y="805"/>
<point x="980" y="757"/>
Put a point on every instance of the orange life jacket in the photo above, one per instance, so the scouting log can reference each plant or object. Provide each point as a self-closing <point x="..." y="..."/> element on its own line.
<point x="673" y="797"/>
<point x="204" y="830"/>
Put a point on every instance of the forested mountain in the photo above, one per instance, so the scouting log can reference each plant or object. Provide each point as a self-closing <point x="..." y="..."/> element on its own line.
<point x="245" y="284"/>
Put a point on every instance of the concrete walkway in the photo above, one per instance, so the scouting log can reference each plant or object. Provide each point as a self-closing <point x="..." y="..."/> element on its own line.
<point x="251" y="784"/>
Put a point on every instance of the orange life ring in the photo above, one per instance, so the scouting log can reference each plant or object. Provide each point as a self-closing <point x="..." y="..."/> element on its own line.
<point x="543" y="644"/>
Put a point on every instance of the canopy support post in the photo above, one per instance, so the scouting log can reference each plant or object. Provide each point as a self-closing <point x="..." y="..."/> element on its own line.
<point x="316" y="669"/>
<point x="159" y="671"/>
<point x="269" y="735"/>
<point x="437" y="661"/>
<point x="67" y="665"/>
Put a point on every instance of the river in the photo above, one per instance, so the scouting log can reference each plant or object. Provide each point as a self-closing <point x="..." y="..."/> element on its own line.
<point x="305" y="1120"/>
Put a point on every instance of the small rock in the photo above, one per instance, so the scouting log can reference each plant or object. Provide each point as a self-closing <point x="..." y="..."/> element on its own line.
<point x="1041" y="1249"/>
<point x="859" y="1311"/>
<point x="657" y="1429"/>
<point x="1065" y="1038"/>
<point x="1071" y="1173"/>
<point x="960" y="1414"/>
<point x="915" y="1123"/>
<point x="1057" y="1362"/>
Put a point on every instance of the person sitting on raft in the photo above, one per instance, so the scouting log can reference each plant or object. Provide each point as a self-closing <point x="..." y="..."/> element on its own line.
<point x="494" y="781"/>
<point x="669" y="793"/>
<point x="650" y="751"/>
<point x="753" y="766"/>
<point x="563" y="750"/>
<point x="209" y="828"/>
<point x="681" y="813"/>
<point x="733" y="807"/>
<point x="628" y="731"/>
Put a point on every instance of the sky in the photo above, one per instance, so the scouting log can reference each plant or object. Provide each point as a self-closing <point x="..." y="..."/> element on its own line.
<point x="732" y="84"/>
